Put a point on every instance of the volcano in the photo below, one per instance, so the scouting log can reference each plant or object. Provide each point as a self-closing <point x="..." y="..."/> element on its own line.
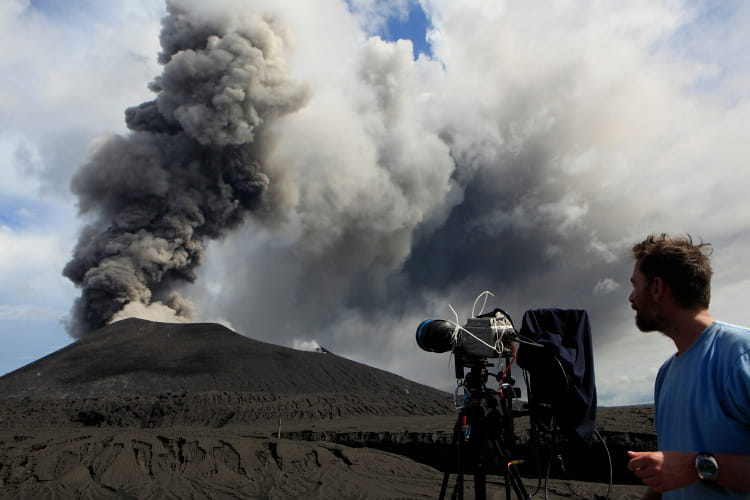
<point x="136" y="356"/>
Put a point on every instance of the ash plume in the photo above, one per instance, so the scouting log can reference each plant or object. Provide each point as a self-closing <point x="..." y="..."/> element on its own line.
<point x="191" y="169"/>
<point x="408" y="185"/>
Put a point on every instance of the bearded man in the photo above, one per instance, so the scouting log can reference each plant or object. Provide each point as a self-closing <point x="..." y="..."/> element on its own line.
<point x="702" y="392"/>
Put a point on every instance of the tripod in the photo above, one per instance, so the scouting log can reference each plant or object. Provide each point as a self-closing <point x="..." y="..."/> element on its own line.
<point x="483" y="435"/>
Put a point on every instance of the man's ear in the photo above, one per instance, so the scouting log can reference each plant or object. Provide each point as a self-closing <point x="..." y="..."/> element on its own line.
<point x="657" y="288"/>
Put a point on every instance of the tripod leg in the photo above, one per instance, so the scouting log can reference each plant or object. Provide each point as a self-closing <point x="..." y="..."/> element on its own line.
<point x="507" y="483"/>
<point x="512" y="476"/>
<point x="460" y="472"/>
<point x="516" y="483"/>
<point x="480" y="483"/>
<point x="447" y="473"/>
<point x="444" y="484"/>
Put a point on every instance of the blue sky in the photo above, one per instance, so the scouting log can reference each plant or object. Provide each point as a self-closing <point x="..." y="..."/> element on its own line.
<point x="412" y="26"/>
<point x="559" y="134"/>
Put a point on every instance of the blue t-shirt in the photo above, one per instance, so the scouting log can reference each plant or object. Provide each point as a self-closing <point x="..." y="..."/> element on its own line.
<point x="702" y="401"/>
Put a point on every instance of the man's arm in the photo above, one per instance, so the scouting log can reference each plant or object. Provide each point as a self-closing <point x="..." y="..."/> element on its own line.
<point x="669" y="470"/>
<point x="733" y="471"/>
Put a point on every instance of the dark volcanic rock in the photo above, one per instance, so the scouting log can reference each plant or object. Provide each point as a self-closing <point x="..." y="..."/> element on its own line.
<point x="138" y="357"/>
<point x="172" y="464"/>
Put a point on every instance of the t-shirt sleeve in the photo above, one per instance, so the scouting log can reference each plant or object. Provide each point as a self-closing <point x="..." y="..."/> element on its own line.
<point x="738" y="389"/>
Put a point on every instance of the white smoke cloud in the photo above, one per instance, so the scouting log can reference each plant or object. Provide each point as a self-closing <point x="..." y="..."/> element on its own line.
<point x="306" y="345"/>
<point x="175" y="310"/>
<point x="541" y="142"/>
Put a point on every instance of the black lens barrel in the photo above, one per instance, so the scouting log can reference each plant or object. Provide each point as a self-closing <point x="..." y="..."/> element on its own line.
<point x="435" y="335"/>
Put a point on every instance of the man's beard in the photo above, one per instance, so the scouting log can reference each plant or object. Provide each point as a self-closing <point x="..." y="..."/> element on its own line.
<point x="648" y="319"/>
<point x="646" y="323"/>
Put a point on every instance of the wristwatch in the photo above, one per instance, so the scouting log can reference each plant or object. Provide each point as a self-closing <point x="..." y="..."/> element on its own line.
<point x="707" y="468"/>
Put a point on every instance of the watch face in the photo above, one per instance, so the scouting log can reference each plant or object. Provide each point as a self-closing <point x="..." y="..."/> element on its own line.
<point x="707" y="468"/>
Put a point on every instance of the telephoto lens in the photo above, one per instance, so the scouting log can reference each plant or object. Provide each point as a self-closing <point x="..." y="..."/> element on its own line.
<point x="435" y="335"/>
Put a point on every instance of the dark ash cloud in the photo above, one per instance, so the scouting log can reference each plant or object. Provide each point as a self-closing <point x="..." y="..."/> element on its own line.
<point x="190" y="171"/>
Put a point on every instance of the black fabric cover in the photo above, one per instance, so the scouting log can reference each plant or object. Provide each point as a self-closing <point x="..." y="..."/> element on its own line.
<point x="565" y="335"/>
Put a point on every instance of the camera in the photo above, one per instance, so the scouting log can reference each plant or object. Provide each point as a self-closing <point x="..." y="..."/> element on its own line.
<point x="487" y="336"/>
<point x="484" y="432"/>
<point x="553" y="350"/>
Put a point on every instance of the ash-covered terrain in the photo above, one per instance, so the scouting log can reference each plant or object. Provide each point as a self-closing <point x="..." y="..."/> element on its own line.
<point x="155" y="410"/>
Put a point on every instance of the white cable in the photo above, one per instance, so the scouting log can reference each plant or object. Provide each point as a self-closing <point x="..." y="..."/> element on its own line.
<point x="484" y="294"/>
<point x="454" y="337"/>
<point x="524" y="340"/>
<point x="501" y="347"/>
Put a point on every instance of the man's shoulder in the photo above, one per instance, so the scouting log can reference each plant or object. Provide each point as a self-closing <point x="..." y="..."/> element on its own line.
<point x="731" y="327"/>
<point x="732" y="345"/>
<point x="730" y="333"/>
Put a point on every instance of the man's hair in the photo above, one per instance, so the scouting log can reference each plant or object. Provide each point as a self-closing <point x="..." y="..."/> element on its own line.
<point x="682" y="264"/>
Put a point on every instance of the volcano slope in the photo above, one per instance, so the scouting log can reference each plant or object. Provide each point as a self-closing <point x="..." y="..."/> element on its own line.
<point x="255" y="380"/>
<point x="154" y="410"/>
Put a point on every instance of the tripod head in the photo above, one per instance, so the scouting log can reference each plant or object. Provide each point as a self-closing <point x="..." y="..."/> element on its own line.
<point x="476" y="379"/>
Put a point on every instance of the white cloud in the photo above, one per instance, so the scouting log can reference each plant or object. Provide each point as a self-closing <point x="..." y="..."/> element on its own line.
<point x="606" y="286"/>
<point x="30" y="268"/>
<point x="626" y="367"/>
<point x="27" y="312"/>
<point x="373" y="14"/>
<point x="66" y="83"/>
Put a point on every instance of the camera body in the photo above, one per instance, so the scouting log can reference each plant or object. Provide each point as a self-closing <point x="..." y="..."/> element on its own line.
<point x="480" y="338"/>
<point x="485" y="332"/>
